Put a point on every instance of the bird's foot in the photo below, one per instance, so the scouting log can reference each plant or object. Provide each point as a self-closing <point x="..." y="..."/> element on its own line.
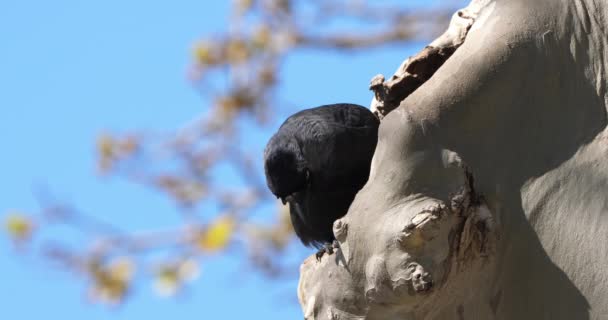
<point x="327" y="248"/>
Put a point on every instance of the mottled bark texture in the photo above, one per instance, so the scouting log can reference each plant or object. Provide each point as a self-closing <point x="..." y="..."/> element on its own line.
<point x="488" y="194"/>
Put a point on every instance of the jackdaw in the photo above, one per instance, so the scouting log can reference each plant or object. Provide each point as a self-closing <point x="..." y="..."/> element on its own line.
<point x="317" y="162"/>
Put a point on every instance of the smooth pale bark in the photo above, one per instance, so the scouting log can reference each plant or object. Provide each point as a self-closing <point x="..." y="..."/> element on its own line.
<point x="488" y="196"/>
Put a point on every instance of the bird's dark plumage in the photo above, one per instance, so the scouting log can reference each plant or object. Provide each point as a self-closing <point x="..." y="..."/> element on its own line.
<point x="318" y="161"/>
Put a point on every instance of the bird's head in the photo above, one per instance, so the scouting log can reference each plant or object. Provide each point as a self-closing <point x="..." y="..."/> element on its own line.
<point x="285" y="169"/>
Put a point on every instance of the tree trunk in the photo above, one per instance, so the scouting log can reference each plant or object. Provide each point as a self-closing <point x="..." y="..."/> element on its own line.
<point x="488" y="194"/>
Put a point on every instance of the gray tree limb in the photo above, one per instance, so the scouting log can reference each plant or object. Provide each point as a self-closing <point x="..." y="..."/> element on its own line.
<point x="488" y="195"/>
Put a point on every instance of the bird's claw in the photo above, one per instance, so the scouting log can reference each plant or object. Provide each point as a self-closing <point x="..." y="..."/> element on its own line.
<point x="327" y="248"/>
<point x="322" y="251"/>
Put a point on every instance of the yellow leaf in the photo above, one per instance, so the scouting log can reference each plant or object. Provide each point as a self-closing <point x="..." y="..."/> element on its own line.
<point x="105" y="146"/>
<point x="217" y="235"/>
<point x="19" y="226"/>
<point x="106" y="151"/>
<point x="204" y="54"/>
<point x="122" y="269"/>
<point x="237" y="51"/>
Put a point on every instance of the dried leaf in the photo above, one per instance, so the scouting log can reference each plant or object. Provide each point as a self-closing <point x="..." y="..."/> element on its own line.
<point x="205" y="54"/>
<point x="170" y="277"/>
<point x="111" y="283"/>
<point x="167" y="281"/>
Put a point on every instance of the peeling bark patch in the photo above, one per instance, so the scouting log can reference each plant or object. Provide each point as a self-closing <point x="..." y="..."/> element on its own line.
<point x="475" y="198"/>
<point x="418" y="70"/>
<point x="460" y="312"/>
<point x="482" y="232"/>
<point x="421" y="280"/>
<point x="467" y="196"/>
<point x="495" y="300"/>
<point x="424" y="64"/>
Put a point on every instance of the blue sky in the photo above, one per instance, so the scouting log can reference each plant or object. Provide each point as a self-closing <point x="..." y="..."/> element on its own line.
<point x="72" y="69"/>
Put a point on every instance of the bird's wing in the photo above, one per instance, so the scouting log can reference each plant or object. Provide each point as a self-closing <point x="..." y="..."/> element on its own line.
<point x="335" y="147"/>
<point x="338" y="115"/>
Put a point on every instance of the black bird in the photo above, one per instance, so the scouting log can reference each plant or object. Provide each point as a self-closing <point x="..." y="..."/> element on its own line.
<point x="317" y="162"/>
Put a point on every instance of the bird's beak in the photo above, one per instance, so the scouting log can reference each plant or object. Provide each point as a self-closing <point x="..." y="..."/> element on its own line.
<point x="286" y="199"/>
